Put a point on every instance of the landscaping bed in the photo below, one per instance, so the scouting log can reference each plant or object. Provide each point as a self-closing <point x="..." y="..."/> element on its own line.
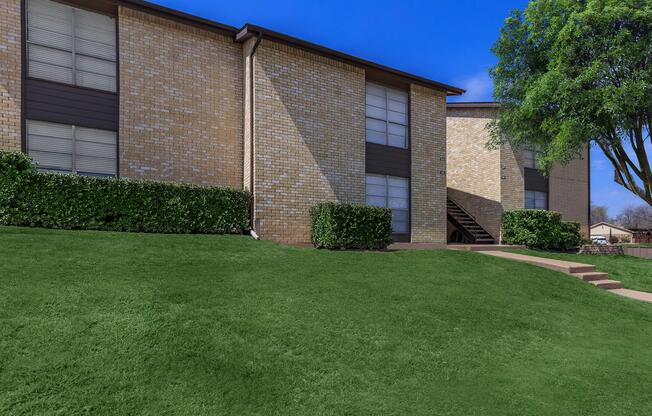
<point x="106" y="323"/>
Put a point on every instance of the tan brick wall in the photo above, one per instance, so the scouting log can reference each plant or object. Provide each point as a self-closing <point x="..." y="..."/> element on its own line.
<point x="181" y="104"/>
<point x="473" y="180"/>
<point x="569" y="191"/>
<point x="428" y="183"/>
<point x="512" y="182"/>
<point x="309" y="138"/>
<point x="474" y="173"/>
<point x="10" y="75"/>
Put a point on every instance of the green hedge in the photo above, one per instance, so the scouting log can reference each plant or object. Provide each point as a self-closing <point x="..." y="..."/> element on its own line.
<point x="350" y="226"/>
<point x="49" y="200"/>
<point x="540" y="229"/>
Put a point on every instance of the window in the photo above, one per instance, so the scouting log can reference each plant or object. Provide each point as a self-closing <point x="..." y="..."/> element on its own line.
<point x="391" y="192"/>
<point x="70" y="45"/>
<point x="72" y="149"/>
<point x="386" y="119"/>
<point x="530" y="154"/>
<point x="536" y="200"/>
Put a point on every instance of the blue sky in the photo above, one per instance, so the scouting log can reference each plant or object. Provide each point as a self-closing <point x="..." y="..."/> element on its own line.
<point x="444" y="40"/>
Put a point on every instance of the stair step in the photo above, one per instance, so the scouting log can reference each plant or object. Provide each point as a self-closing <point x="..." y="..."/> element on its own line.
<point x="468" y="223"/>
<point x="607" y="284"/>
<point x="591" y="276"/>
<point x="583" y="268"/>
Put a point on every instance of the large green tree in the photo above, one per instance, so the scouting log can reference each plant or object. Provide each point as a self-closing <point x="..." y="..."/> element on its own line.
<point x="578" y="72"/>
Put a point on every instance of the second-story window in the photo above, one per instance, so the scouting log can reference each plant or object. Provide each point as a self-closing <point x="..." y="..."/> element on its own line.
<point x="70" y="45"/>
<point x="386" y="116"/>
<point x="530" y="155"/>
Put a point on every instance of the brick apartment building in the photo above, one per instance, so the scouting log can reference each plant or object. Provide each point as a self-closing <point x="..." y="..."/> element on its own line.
<point x="485" y="182"/>
<point x="130" y="89"/>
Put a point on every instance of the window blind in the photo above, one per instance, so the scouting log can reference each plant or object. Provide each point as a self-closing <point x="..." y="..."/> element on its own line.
<point x="390" y="192"/>
<point x="71" y="45"/>
<point x="536" y="200"/>
<point x="66" y="148"/>
<point x="386" y="115"/>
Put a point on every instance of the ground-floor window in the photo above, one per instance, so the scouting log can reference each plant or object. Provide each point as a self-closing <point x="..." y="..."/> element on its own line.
<point x="536" y="200"/>
<point x="391" y="192"/>
<point x="72" y="149"/>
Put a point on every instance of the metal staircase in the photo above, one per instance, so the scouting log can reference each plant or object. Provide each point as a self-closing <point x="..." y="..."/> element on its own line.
<point x="470" y="230"/>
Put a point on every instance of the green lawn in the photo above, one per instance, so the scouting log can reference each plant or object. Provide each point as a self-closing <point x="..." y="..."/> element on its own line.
<point x="96" y="323"/>
<point x="634" y="272"/>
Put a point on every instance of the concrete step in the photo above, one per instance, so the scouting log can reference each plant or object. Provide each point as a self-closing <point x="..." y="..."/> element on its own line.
<point x="482" y="247"/>
<point x="590" y="276"/>
<point x="607" y="284"/>
<point x="567" y="267"/>
<point x="633" y="294"/>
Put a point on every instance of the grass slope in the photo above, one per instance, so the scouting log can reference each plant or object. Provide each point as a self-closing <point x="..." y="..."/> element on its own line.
<point x="116" y="324"/>
<point x="634" y="272"/>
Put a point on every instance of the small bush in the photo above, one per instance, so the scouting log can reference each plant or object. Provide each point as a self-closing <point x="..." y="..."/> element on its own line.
<point x="540" y="229"/>
<point x="613" y="239"/>
<point x="569" y="235"/>
<point x="29" y="198"/>
<point x="350" y="226"/>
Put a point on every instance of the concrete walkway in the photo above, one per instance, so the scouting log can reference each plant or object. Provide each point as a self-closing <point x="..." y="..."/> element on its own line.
<point x="585" y="272"/>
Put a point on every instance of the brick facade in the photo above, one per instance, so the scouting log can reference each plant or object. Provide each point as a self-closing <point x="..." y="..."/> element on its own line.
<point x="569" y="191"/>
<point x="487" y="181"/>
<point x="184" y="116"/>
<point x="428" y="182"/>
<point x="10" y="75"/>
<point x="474" y="170"/>
<point x="512" y="183"/>
<point x="309" y="138"/>
<point x="181" y="104"/>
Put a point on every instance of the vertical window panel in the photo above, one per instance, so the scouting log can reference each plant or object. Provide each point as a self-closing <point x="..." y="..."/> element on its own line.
<point x="536" y="200"/>
<point x="386" y="112"/>
<point x="71" y="45"/>
<point x="66" y="148"/>
<point x="390" y="192"/>
<point x="530" y="155"/>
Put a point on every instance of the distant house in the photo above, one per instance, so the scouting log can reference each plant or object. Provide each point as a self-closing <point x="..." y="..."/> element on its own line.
<point x="608" y="231"/>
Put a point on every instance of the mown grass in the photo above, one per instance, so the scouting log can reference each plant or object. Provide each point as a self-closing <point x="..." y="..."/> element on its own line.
<point x="634" y="272"/>
<point x="123" y="324"/>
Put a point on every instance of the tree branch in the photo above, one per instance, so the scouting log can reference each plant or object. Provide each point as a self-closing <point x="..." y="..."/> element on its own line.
<point x="625" y="176"/>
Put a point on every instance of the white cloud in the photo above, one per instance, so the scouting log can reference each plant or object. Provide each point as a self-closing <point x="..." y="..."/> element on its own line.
<point x="479" y="87"/>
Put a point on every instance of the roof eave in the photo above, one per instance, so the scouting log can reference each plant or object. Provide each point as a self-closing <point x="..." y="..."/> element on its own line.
<point x="180" y="16"/>
<point x="474" y="104"/>
<point x="250" y="30"/>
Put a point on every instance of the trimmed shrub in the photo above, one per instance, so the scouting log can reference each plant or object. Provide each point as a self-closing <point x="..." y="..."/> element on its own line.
<point x="49" y="200"/>
<point x="540" y="229"/>
<point x="350" y="226"/>
<point x="569" y="235"/>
